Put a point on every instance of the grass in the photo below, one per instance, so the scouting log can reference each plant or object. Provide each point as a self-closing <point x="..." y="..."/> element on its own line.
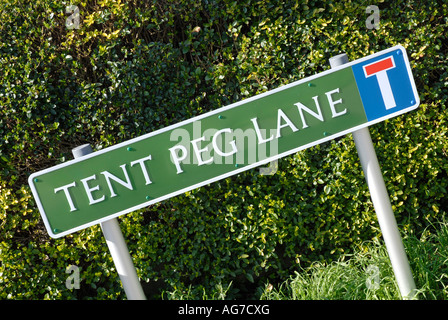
<point x="368" y="275"/>
<point x="429" y="262"/>
<point x="364" y="275"/>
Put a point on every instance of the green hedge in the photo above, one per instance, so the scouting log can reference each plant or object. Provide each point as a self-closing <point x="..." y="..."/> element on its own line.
<point x="136" y="66"/>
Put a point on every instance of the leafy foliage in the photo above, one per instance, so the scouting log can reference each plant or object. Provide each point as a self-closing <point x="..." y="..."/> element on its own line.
<point x="135" y="66"/>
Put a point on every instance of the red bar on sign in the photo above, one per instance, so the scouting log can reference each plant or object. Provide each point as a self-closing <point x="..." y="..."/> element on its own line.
<point x="378" y="66"/>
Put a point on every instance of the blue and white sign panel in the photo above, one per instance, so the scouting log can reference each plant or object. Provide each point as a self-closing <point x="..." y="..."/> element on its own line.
<point x="386" y="85"/>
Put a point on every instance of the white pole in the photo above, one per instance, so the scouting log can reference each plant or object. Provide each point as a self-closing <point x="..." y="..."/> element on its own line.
<point x="381" y="203"/>
<point x="117" y="247"/>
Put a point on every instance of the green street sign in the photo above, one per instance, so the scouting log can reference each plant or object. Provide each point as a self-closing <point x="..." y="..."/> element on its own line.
<point x="224" y="142"/>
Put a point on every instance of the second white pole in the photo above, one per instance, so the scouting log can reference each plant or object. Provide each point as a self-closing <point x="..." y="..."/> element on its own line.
<point x="381" y="203"/>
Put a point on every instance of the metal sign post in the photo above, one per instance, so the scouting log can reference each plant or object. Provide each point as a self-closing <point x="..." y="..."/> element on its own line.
<point x="117" y="247"/>
<point x="380" y="196"/>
